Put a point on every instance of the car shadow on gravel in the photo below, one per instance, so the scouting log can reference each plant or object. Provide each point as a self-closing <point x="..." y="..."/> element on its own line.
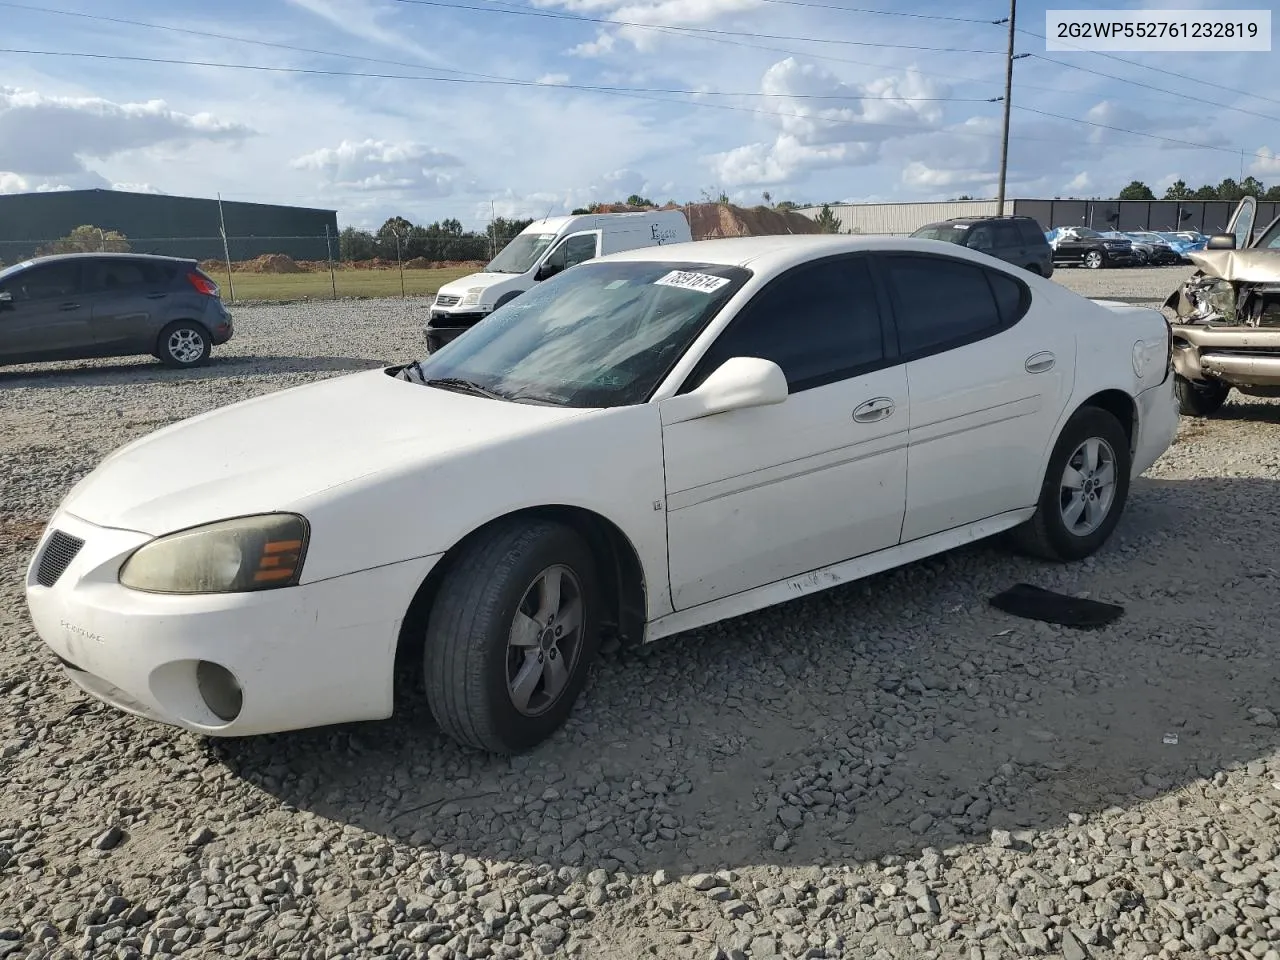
<point x="1249" y="412"/>
<point x="882" y="717"/>
<point x="145" y="371"/>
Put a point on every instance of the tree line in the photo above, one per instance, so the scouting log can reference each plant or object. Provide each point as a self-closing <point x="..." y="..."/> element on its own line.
<point x="1228" y="189"/>
<point x="398" y="238"/>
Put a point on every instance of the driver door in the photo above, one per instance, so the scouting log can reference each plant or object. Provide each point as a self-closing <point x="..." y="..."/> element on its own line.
<point x="767" y="493"/>
<point x="574" y="249"/>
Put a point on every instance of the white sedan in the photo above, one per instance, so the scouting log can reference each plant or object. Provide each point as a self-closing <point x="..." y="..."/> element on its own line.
<point x="647" y="443"/>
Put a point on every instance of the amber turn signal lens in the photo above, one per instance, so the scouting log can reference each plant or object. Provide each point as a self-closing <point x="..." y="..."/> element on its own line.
<point x="279" y="561"/>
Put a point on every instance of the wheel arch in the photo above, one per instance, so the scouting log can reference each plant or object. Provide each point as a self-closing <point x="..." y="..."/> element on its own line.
<point x="1120" y="405"/>
<point x="623" y="578"/>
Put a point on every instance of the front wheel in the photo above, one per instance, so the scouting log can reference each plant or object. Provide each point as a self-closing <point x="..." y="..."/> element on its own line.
<point x="512" y="635"/>
<point x="1093" y="260"/>
<point x="1199" y="399"/>
<point x="1084" y="492"/>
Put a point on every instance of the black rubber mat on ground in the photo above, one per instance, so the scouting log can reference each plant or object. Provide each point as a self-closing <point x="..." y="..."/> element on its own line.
<point x="1037" y="603"/>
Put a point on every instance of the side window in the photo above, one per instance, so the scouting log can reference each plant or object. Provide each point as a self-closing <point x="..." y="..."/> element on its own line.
<point x="1031" y="232"/>
<point x="940" y="302"/>
<point x="1012" y="298"/>
<point x="980" y="238"/>
<point x="109" y="275"/>
<point x="578" y="249"/>
<point x="1007" y="235"/>
<point x="820" y="323"/>
<point x="46" y="282"/>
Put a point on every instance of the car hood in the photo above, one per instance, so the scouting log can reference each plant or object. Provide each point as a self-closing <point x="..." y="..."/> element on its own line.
<point x="267" y="453"/>
<point x="1248" y="266"/>
<point x="459" y="288"/>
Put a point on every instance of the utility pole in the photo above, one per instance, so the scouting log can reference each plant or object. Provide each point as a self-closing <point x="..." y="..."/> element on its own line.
<point x="1008" y="97"/>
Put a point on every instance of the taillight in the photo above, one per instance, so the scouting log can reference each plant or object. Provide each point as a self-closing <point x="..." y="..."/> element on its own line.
<point x="202" y="284"/>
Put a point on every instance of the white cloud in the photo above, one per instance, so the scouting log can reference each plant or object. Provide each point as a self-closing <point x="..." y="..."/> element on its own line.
<point x="361" y="19"/>
<point x="554" y="79"/>
<point x="46" y="136"/>
<point x="646" y="13"/>
<point x="1080" y="183"/>
<point x="1266" y="163"/>
<point x="382" y="165"/>
<point x="815" y="131"/>
<point x="136" y="188"/>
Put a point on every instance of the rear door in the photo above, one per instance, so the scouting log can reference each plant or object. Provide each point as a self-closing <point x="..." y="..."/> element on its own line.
<point x="128" y="298"/>
<point x="48" y="317"/>
<point x="988" y="374"/>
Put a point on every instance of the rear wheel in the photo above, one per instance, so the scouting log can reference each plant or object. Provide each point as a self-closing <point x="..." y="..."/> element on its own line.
<point x="1084" y="491"/>
<point x="1199" y="398"/>
<point x="183" y="344"/>
<point x="512" y="636"/>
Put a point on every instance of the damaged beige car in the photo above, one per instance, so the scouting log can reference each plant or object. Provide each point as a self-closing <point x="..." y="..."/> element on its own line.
<point x="1226" y="317"/>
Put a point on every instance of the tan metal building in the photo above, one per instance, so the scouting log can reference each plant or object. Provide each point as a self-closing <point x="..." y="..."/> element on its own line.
<point x="900" y="219"/>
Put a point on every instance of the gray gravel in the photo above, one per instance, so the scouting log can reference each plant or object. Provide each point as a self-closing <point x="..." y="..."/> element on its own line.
<point x="890" y="769"/>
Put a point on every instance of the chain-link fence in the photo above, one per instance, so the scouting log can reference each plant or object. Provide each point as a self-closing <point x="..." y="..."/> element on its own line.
<point x="295" y="268"/>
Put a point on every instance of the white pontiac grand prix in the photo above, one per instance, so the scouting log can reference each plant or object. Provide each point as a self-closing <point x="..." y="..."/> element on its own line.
<point x="647" y="443"/>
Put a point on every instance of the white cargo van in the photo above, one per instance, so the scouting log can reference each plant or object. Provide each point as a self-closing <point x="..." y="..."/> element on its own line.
<point x="543" y="249"/>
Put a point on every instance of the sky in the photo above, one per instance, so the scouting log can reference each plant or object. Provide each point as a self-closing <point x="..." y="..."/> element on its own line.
<point x="472" y="108"/>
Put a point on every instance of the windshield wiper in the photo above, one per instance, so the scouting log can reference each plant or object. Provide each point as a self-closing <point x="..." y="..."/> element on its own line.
<point x="460" y="385"/>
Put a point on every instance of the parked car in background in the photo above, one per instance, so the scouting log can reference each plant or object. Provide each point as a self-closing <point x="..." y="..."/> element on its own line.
<point x="543" y="249"/>
<point x="1158" y="250"/>
<point x="1083" y="246"/>
<point x="1016" y="240"/>
<point x="1226" y="317"/>
<point x="642" y="445"/>
<point x="81" y="305"/>
<point x="1183" y="245"/>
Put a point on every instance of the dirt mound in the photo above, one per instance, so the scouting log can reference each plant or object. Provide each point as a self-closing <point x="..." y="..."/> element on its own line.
<point x="209" y="266"/>
<point x="711" y="220"/>
<point x="273" y="263"/>
<point x="419" y="263"/>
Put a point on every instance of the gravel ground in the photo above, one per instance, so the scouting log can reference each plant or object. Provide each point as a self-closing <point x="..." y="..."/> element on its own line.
<point x="889" y="769"/>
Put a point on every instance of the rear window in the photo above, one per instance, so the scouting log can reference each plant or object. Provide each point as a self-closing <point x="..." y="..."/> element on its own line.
<point x="1031" y="232"/>
<point x="947" y="232"/>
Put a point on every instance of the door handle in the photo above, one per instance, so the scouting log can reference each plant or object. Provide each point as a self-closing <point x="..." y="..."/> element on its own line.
<point x="1040" y="362"/>
<point x="873" y="410"/>
<point x="69" y="306"/>
<point x="156" y="296"/>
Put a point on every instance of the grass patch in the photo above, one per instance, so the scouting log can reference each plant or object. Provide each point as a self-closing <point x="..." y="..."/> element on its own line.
<point x="350" y="283"/>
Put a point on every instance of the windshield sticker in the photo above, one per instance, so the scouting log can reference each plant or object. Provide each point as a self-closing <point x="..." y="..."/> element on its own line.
<point x="615" y="285"/>
<point x="688" y="280"/>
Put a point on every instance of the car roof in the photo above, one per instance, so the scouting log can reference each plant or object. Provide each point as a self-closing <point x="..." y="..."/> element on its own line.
<point x="781" y="252"/>
<point x="108" y="255"/>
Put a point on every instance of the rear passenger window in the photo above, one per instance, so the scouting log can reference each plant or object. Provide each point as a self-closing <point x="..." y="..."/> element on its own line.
<point x="1031" y="232"/>
<point x="820" y="323"/>
<point x="940" y="303"/>
<point x="1007" y="235"/>
<point x="124" y="275"/>
<point x="1012" y="297"/>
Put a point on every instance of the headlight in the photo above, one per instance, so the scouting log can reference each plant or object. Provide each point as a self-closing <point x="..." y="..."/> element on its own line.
<point x="472" y="296"/>
<point x="231" y="556"/>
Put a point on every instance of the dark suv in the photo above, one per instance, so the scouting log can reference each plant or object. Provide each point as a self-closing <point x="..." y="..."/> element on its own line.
<point x="1017" y="240"/>
<point x="80" y="305"/>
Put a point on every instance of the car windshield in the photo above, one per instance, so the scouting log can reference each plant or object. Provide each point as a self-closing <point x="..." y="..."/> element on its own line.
<point x="1084" y="233"/>
<point x="1268" y="241"/>
<point x="948" y="232"/>
<point x="598" y="335"/>
<point x="10" y="271"/>
<point x="521" y="253"/>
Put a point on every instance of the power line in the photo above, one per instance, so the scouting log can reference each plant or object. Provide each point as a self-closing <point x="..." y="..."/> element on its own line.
<point x="673" y="28"/>
<point x="511" y="82"/>
<point x="880" y="13"/>
<point x="1161" y="70"/>
<point x="1139" y="133"/>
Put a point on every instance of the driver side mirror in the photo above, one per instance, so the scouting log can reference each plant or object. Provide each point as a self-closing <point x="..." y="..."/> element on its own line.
<point x="1222" y="241"/>
<point x="737" y="384"/>
<point x="546" y="271"/>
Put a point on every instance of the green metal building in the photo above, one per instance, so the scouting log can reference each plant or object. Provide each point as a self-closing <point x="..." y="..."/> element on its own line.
<point x="173" y="226"/>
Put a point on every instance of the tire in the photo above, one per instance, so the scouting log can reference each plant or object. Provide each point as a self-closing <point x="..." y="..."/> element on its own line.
<point x="183" y="343"/>
<point x="1199" y="399"/>
<point x="1048" y="534"/>
<point x="505" y="299"/>
<point x="471" y="659"/>
<point x="1094" y="260"/>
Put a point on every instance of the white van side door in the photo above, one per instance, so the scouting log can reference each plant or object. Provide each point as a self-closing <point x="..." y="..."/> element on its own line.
<point x="573" y="249"/>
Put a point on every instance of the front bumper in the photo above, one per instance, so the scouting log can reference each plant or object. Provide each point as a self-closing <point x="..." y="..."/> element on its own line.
<point x="306" y="656"/>
<point x="1239" y="356"/>
<point x="1123" y="257"/>
<point x="444" y="326"/>
<point x="1157" y="425"/>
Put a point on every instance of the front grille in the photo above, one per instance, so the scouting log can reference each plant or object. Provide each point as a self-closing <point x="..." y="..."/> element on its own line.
<point x="59" y="551"/>
<point x="443" y="301"/>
